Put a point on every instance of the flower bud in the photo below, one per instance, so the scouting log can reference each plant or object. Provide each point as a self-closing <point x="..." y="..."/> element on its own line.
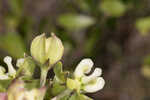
<point x="38" y="48"/>
<point x="54" y="49"/>
<point x="44" y="49"/>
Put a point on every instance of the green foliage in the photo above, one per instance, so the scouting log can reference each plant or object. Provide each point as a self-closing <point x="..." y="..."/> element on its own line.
<point x="114" y="8"/>
<point x="75" y="21"/>
<point x="13" y="44"/>
<point x="59" y="74"/>
<point x="4" y="85"/>
<point x="143" y="25"/>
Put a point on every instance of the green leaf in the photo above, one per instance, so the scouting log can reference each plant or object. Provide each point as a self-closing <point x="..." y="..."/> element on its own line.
<point x="16" y="7"/>
<point x="4" y="85"/>
<point x="57" y="88"/>
<point x="113" y="7"/>
<point x="75" y="22"/>
<point x="143" y="25"/>
<point x="13" y="44"/>
<point x="59" y="74"/>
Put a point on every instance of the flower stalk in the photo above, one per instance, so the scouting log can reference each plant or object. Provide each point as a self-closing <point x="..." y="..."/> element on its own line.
<point x="44" y="71"/>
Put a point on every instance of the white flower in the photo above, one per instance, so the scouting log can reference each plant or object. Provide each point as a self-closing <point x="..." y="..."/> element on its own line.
<point x="8" y="61"/>
<point x="90" y="83"/>
<point x="11" y="70"/>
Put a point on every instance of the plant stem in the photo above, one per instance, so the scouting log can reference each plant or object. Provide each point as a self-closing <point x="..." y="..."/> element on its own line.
<point x="58" y="97"/>
<point x="44" y="72"/>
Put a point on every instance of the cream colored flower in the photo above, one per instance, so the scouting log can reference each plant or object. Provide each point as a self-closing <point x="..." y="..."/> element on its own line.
<point x="88" y="83"/>
<point x="11" y="71"/>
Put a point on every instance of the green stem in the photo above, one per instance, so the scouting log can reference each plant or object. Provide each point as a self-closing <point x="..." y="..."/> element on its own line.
<point x="61" y="95"/>
<point x="44" y="72"/>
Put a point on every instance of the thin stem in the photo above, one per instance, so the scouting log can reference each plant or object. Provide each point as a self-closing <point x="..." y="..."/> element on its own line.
<point x="44" y="72"/>
<point x="58" y="97"/>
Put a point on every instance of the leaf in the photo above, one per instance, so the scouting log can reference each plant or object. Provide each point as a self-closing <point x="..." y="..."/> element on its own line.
<point x="143" y="25"/>
<point x="113" y="7"/>
<point x="145" y="71"/>
<point x="13" y="44"/>
<point x="16" y="7"/>
<point x="59" y="74"/>
<point x="57" y="88"/>
<point x="4" y="85"/>
<point x="75" y="21"/>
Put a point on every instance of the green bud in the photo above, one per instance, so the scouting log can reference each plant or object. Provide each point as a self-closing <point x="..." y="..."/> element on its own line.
<point x="44" y="49"/>
<point x="54" y="49"/>
<point x="38" y="49"/>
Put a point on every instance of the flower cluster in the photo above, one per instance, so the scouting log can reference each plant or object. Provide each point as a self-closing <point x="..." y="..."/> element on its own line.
<point x="46" y="53"/>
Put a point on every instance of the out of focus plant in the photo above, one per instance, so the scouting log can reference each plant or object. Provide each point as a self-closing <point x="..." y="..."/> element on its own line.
<point x="75" y="22"/>
<point x="143" y="25"/>
<point x="145" y="70"/>
<point x="46" y="53"/>
<point x="114" y="8"/>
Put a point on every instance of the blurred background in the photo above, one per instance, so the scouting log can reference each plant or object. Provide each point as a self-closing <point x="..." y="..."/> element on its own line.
<point x="114" y="33"/>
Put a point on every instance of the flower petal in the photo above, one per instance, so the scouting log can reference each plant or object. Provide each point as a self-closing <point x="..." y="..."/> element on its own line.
<point x="96" y="86"/>
<point x="84" y="67"/>
<point x="4" y="77"/>
<point x="97" y="72"/>
<point x="8" y="61"/>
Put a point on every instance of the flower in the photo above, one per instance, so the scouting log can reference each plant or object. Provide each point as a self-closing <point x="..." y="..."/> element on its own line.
<point x="11" y="71"/>
<point x="88" y="83"/>
<point x="44" y="49"/>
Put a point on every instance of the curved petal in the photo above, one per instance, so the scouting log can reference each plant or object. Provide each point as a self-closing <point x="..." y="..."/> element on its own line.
<point x="84" y="67"/>
<point x="97" y="72"/>
<point x="96" y="86"/>
<point x="8" y="61"/>
<point x="4" y="77"/>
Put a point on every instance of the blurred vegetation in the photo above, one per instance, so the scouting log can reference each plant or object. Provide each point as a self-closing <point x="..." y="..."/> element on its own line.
<point x="114" y="33"/>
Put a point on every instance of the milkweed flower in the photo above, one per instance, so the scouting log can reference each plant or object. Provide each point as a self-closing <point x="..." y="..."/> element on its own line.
<point x="11" y="70"/>
<point x="87" y="83"/>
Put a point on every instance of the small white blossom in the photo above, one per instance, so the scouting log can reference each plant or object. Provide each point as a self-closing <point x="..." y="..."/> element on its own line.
<point x="84" y="67"/>
<point x="89" y="83"/>
<point x="8" y="61"/>
<point x="11" y="70"/>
